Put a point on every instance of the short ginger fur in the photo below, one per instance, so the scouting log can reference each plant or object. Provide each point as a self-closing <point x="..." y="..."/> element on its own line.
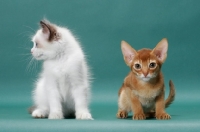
<point x="143" y="89"/>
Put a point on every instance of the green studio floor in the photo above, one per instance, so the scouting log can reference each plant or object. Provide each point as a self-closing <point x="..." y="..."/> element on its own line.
<point x="14" y="116"/>
<point x="100" y="26"/>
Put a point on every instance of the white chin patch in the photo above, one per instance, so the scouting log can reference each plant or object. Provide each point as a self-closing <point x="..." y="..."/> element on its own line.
<point x="145" y="79"/>
<point x="39" y="57"/>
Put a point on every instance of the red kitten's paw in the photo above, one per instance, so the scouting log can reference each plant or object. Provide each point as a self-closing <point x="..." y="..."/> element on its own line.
<point x="139" y="116"/>
<point x="163" y="116"/>
<point x="122" y="114"/>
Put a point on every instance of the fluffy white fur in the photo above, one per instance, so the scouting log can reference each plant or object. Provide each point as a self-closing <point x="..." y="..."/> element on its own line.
<point x="63" y="86"/>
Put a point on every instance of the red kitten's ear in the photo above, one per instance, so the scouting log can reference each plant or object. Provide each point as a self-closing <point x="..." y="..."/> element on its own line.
<point x="161" y="50"/>
<point x="128" y="52"/>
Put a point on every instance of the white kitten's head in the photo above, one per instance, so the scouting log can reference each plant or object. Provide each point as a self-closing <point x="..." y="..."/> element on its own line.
<point x="46" y="41"/>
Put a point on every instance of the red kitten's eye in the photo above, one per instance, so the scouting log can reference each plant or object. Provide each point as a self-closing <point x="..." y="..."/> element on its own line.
<point x="152" y="65"/>
<point x="137" y="66"/>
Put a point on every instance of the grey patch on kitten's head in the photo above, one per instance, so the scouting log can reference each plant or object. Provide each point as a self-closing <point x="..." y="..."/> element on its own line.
<point x="50" y="30"/>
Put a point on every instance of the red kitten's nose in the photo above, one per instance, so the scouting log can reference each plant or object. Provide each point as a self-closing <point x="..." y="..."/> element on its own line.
<point x="145" y="74"/>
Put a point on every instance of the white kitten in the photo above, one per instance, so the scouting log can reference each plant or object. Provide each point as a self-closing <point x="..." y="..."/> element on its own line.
<point x="63" y="86"/>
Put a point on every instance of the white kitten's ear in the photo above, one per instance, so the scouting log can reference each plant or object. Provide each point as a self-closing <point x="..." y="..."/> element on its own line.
<point x="49" y="30"/>
<point x="45" y="28"/>
<point x="128" y="52"/>
<point x="161" y="50"/>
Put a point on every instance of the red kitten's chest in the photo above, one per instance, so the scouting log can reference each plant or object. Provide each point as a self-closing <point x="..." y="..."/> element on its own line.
<point x="147" y="93"/>
<point x="147" y="97"/>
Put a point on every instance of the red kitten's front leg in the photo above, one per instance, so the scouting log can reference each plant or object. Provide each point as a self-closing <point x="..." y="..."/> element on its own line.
<point x="137" y="109"/>
<point x="160" y="108"/>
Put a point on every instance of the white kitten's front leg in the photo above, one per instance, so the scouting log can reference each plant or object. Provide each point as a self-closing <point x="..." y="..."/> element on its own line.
<point x="40" y="99"/>
<point x="54" y="99"/>
<point x="81" y="105"/>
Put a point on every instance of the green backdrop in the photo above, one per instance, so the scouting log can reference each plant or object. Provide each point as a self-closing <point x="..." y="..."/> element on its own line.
<point x="100" y="26"/>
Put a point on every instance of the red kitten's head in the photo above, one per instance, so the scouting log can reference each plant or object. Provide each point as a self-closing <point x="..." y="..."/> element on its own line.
<point x="145" y="63"/>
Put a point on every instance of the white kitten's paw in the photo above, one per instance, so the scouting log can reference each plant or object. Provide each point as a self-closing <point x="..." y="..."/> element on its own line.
<point x="84" y="116"/>
<point x="39" y="114"/>
<point x="56" y="115"/>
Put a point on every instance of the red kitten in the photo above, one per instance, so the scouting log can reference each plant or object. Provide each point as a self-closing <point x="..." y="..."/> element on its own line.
<point x="143" y="89"/>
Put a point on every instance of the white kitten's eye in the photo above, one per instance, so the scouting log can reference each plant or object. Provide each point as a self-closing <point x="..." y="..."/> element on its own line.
<point x="152" y="65"/>
<point x="36" y="44"/>
<point x="137" y="66"/>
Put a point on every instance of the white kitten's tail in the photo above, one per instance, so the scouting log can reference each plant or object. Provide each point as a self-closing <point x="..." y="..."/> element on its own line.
<point x="171" y="96"/>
